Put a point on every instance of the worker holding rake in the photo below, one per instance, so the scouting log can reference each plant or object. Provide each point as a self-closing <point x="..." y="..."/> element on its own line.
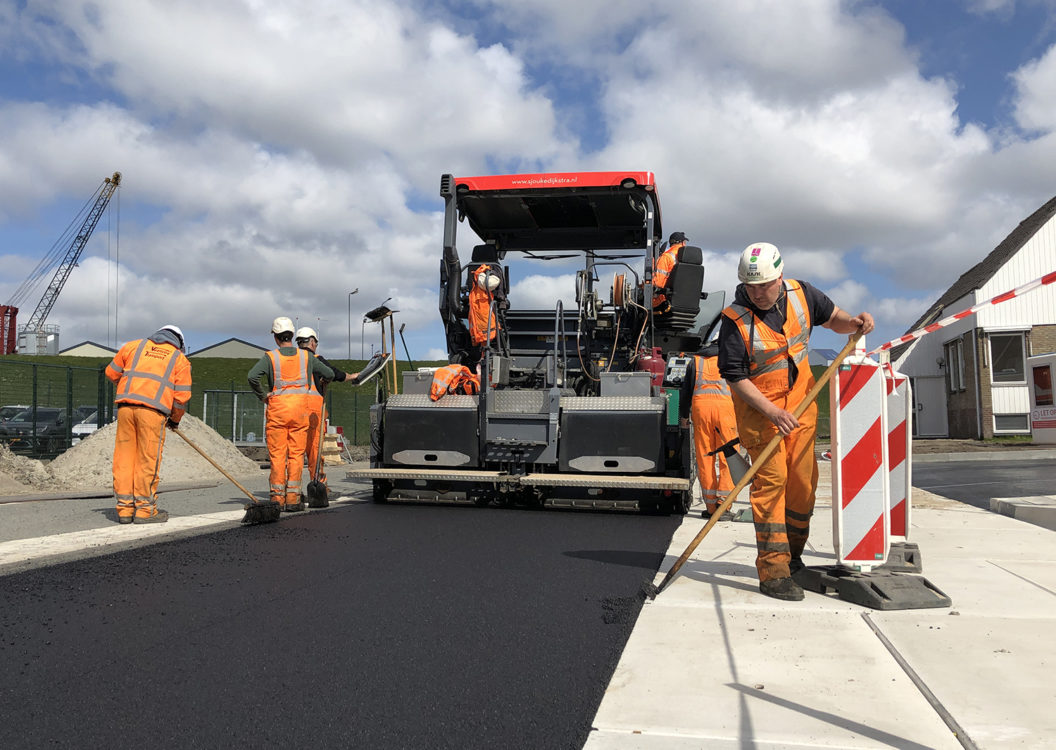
<point x="308" y="339"/>
<point x="763" y="356"/>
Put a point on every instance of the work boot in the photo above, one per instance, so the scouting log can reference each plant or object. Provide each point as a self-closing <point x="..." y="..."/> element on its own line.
<point x="124" y="519"/>
<point x="293" y="507"/>
<point x="795" y="564"/>
<point x="782" y="588"/>
<point x="160" y="516"/>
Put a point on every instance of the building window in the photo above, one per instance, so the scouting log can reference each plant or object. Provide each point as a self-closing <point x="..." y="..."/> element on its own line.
<point x="1043" y="385"/>
<point x="1007" y="358"/>
<point x="954" y="356"/>
<point x="1011" y="423"/>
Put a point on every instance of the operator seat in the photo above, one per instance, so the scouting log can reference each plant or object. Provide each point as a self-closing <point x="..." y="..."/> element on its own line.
<point x="684" y="286"/>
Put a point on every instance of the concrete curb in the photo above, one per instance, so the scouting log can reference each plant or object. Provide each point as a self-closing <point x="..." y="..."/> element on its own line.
<point x="1011" y="455"/>
<point x="1039" y="510"/>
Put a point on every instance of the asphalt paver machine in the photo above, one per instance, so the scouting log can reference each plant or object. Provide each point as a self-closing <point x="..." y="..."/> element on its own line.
<point x="578" y="403"/>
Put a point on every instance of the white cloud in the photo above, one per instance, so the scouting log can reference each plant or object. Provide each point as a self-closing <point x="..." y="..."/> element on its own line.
<point x="1036" y="93"/>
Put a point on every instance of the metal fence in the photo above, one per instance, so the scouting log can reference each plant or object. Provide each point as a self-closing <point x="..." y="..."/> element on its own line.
<point x="238" y="415"/>
<point x="51" y="399"/>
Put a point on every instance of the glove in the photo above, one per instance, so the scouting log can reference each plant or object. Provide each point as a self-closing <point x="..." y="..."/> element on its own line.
<point x="171" y="424"/>
<point x="663" y="308"/>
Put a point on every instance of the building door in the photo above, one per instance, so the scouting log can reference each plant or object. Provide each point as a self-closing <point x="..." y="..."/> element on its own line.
<point x="929" y="407"/>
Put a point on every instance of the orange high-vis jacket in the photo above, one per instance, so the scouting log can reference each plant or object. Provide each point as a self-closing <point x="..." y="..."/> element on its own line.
<point x="293" y="391"/>
<point x="772" y="355"/>
<point x="480" y="309"/>
<point x="152" y="374"/>
<point x="662" y="273"/>
<point x="453" y="379"/>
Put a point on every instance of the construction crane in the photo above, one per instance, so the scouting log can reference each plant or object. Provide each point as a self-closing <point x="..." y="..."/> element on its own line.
<point x="35" y="326"/>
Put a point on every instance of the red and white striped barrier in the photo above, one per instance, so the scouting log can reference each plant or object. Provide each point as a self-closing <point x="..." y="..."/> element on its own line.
<point x="899" y="405"/>
<point x="1017" y="292"/>
<point x="861" y="525"/>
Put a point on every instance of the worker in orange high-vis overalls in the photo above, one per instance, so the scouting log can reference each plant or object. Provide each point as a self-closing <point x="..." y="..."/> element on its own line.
<point x="283" y="380"/>
<point x="763" y="356"/>
<point x="662" y="271"/>
<point x="308" y="340"/>
<point x="153" y="387"/>
<point x="485" y="287"/>
<point x="705" y="401"/>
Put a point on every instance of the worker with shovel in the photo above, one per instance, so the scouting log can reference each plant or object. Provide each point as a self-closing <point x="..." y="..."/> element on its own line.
<point x="706" y="403"/>
<point x="763" y="356"/>
<point x="308" y="339"/>
<point x="284" y="380"/>
<point x="153" y="380"/>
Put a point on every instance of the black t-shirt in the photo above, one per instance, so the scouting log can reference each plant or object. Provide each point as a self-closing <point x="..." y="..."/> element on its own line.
<point x="733" y="355"/>
<point x="320" y="384"/>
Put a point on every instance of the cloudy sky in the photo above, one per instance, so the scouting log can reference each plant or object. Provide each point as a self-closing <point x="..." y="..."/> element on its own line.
<point x="278" y="154"/>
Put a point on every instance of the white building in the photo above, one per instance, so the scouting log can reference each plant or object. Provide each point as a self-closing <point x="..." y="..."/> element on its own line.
<point x="970" y="378"/>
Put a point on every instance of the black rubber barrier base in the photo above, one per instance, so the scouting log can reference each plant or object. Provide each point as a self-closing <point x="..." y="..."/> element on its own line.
<point x="904" y="557"/>
<point x="879" y="589"/>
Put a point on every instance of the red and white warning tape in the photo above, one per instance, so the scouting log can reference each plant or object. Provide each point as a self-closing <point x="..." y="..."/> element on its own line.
<point x="1017" y="292"/>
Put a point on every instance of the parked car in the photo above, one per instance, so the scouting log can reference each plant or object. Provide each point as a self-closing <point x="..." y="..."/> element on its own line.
<point x="46" y="436"/>
<point x="83" y="411"/>
<point x="84" y="428"/>
<point x="6" y="412"/>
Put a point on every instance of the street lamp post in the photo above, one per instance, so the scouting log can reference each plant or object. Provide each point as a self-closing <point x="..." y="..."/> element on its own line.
<point x="350" y="322"/>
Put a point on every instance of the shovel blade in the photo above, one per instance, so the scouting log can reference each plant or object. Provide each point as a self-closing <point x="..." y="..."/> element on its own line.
<point x="318" y="497"/>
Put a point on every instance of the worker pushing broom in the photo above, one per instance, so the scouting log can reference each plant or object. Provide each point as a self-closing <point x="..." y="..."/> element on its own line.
<point x="763" y="356"/>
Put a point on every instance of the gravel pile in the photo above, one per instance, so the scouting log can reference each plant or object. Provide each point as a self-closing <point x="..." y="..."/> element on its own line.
<point x="88" y="465"/>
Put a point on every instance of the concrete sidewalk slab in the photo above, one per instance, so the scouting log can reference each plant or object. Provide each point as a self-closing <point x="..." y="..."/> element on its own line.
<point x="713" y="663"/>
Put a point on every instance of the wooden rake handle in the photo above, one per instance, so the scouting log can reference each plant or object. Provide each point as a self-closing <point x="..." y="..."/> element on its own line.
<point x="757" y="464"/>
<point x="216" y="466"/>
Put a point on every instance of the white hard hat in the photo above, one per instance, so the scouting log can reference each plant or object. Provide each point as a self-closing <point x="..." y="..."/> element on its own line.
<point x="282" y="325"/>
<point x="178" y="332"/>
<point x="304" y="332"/>
<point x="489" y="281"/>
<point x="760" y="264"/>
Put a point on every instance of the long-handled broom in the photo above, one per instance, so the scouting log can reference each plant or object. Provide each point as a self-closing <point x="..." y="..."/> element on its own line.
<point x="757" y="464"/>
<point x="256" y="511"/>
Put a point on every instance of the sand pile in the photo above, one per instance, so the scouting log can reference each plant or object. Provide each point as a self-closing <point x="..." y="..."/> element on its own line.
<point x="89" y="464"/>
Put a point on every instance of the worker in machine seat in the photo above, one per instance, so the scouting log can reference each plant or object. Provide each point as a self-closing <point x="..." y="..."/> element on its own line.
<point x="662" y="272"/>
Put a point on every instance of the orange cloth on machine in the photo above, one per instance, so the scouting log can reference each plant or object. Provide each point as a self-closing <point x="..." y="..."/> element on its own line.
<point x="290" y="403"/>
<point x="153" y="385"/>
<point x="783" y="489"/>
<point x="480" y="314"/>
<point x="453" y="379"/>
<point x="714" y="425"/>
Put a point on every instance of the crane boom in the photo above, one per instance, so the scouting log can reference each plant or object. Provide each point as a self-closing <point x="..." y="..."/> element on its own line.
<point x="51" y="294"/>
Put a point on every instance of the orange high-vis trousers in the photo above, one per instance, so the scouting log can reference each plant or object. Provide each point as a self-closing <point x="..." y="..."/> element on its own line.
<point x="315" y="423"/>
<point x="714" y="424"/>
<point x="137" y="459"/>
<point x="783" y="500"/>
<point x="286" y="432"/>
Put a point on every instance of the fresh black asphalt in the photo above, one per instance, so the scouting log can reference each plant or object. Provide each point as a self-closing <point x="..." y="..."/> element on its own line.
<point x="374" y="626"/>
<point x="976" y="482"/>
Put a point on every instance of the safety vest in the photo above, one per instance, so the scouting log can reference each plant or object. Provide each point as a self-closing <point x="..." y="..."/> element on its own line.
<point x="774" y="358"/>
<point x="293" y="393"/>
<point x="709" y="383"/>
<point x="155" y="375"/>
<point x="480" y="315"/>
<point x="453" y="379"/>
